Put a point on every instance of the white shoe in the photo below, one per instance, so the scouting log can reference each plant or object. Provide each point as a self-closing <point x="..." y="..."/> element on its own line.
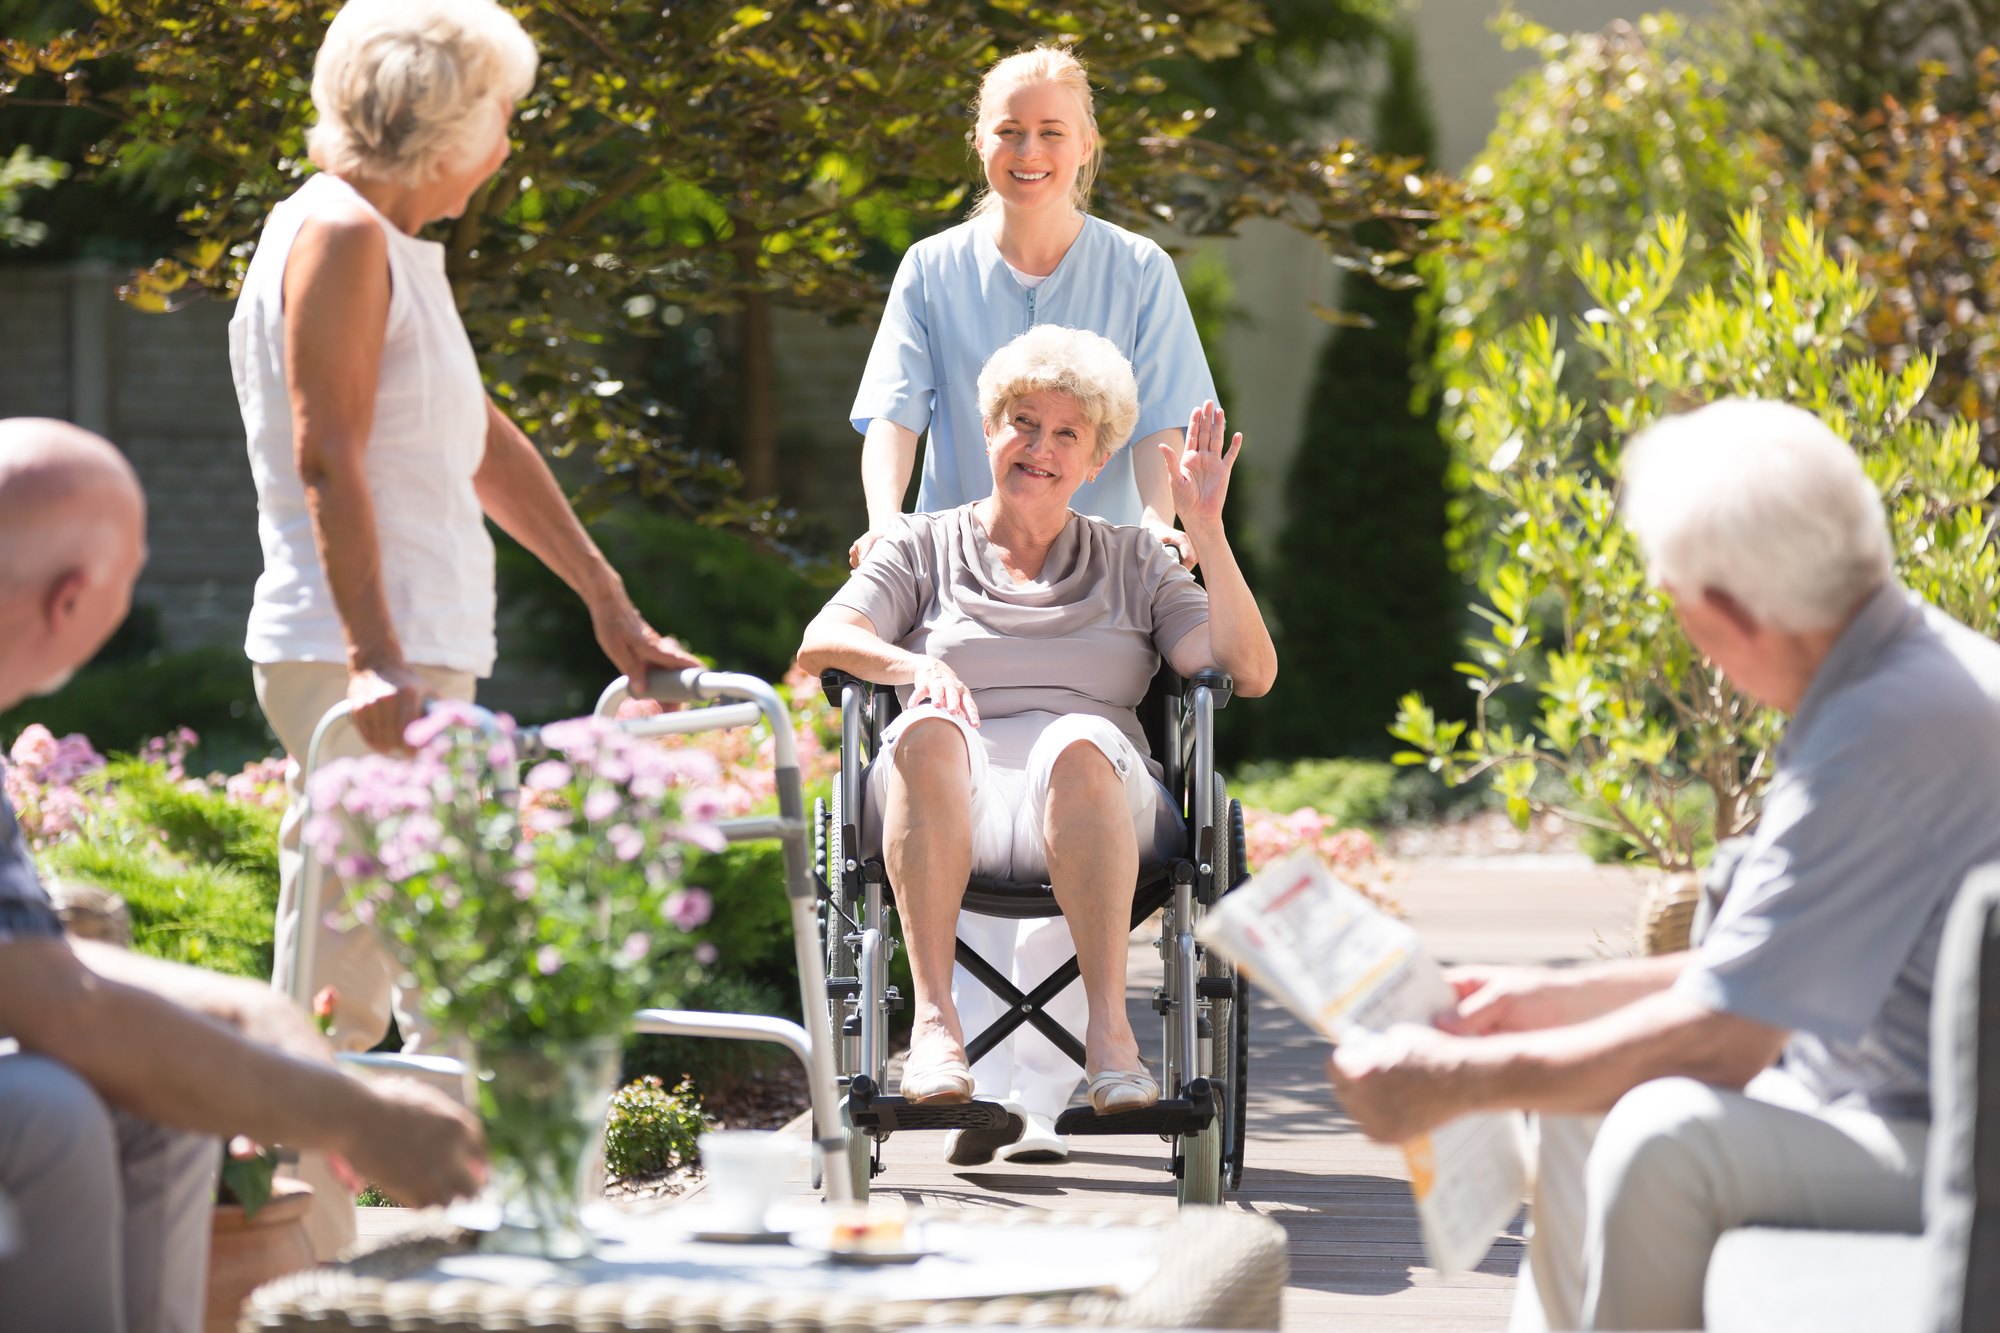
<point x="1038" y="1145"/>
<point x="975" y="1147"/>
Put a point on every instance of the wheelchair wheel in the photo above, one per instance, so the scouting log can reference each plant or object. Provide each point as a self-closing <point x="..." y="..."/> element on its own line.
<point x="841" y="960"/>
<point x="1238" y="1067"/>
<point x="1211" y="1159"/>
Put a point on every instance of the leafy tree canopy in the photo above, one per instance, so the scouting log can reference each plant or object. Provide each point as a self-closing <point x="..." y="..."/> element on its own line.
<point x="710" y="154"/>
<point x="1911" y="194"/>
<point x="1606" y="135"/>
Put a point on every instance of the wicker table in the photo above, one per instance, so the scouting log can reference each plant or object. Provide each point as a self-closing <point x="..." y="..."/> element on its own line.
<point x="1217" y="1269"/>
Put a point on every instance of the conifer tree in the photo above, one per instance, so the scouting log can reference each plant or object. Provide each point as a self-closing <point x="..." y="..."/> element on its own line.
<point x="1366" y="602"/>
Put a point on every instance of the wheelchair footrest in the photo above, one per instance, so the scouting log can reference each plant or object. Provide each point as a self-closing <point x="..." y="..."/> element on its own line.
<point x="1166" y="1118"/>
<point x="886" y="1115"/>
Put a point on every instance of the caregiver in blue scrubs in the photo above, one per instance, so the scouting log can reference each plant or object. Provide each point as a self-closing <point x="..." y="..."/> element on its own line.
<point x="1028" y="255"/>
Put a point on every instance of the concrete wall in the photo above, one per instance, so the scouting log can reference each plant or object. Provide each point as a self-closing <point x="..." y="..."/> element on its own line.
<point x="158" y="386"/>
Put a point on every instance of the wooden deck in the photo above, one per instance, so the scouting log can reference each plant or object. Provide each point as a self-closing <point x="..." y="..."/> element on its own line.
<point x="1357" y="1258"/>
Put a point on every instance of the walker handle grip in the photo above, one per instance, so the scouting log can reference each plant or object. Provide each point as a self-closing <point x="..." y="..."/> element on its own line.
<point x="674" y="687"/>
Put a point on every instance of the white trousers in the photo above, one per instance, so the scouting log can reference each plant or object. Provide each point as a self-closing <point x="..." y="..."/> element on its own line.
<point x="294" y="697"/>
<point x="1628" y="1206"/>
<point x="1011" y="763"/>
<point x="114" y="1211"/>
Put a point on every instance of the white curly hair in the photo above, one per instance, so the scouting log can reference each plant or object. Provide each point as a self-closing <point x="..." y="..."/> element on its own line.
<point x="406" y="88"/>
<point x="1083" y="366"/>
<point x="1762" y="501"/>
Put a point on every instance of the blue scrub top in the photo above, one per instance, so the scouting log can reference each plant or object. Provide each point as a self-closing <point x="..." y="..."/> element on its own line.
<point x="955" y="303"/>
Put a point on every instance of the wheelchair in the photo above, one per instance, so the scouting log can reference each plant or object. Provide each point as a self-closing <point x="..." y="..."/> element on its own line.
<point x="1203" y="1005"/>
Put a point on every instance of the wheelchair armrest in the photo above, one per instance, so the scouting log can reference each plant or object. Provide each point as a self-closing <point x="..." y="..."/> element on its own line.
<point x="833" y="681"/>
<point x="1220" y="687"/>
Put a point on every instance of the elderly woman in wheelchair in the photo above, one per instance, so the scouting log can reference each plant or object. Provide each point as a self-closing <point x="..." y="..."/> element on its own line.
<point x="1022" y="637"/>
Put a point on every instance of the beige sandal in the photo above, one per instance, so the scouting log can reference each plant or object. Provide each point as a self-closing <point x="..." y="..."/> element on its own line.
<point x="944" y="1082"/>
<point x="1117" y="1090"/>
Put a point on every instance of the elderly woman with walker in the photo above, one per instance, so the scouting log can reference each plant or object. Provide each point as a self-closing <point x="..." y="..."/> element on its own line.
<point x="376" y="451"/>
<point x="1029" y="255"/>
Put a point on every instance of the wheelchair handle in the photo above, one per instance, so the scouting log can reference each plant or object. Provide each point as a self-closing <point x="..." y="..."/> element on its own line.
<point x="833" y="680"/>
<point x="1219" y="684"/>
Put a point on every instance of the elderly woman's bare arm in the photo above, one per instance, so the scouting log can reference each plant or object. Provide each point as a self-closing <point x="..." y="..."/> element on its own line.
<point x="518" y="492"/>
<point x="1235" y="637"/>
<point x="336" y="313"/>
<point x="840" y="639"/>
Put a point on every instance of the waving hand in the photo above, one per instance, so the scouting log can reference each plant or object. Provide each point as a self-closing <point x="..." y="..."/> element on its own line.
<point x="1199" y="470"/>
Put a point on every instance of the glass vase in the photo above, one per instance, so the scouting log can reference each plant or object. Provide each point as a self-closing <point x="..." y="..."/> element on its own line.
<point x="544" y="1109"/>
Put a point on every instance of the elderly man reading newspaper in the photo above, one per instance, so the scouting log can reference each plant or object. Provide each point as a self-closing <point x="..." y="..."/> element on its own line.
<point x="1778" y="1072"/>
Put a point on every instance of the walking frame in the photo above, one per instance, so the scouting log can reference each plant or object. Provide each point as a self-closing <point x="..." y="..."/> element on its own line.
<point x="757" y="701"/>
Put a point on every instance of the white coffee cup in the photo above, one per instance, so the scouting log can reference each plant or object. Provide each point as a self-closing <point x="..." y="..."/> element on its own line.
<point x="747" y="1171"/>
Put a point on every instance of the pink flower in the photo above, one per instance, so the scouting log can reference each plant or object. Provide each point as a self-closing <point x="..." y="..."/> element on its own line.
<point x="443" y="715"/>
<point x="548" y="775"/>
<point x="637" y="946"/>
<point x="706" y="953"/>
<point x="626" y="841"/>
<point x="522" y="882"/>
<point x="548" y="960"/>
<point x="688" y="908"/>
<point x="34" y="747"/>
<point x="601" y="804"/>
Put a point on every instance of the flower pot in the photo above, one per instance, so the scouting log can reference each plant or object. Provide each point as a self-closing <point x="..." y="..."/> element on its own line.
<point x="245" y="1253"/>
<point x="544" y="1109"/>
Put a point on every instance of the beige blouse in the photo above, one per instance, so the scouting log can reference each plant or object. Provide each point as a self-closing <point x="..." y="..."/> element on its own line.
<point x="1085" y="637"/>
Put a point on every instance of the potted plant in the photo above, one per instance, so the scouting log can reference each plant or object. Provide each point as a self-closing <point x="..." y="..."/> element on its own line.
<point x="258" y="1234"/>
<point x="532" y="929"/>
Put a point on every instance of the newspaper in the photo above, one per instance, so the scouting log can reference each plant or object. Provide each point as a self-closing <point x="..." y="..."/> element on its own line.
<point x="1330" y="956"/>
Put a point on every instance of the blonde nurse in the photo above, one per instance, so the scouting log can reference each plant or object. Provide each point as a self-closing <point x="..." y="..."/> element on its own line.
<point x="1029" y="255"/>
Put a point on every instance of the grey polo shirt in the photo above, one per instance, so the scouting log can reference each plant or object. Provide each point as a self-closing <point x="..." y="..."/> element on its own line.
<point x="1887" y="791"/>
<point x="25" y="911"/>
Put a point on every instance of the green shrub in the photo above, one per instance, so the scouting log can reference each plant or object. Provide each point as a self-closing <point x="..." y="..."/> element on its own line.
<point x="711" y="1061"/>
<point x="650" y="1130"/>
<point x="197" y="869"/>
<point x="1350" y="792"/>
<point x="119" y="704"/>
<point x="1624" y="708"/>
<point x="720" y="596"/>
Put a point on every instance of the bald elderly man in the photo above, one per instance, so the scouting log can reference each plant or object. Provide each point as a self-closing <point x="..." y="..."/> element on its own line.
<point x="124" y="1080"/>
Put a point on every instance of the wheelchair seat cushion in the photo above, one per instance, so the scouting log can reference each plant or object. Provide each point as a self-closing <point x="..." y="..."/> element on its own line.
<point x="1012" y="760"/>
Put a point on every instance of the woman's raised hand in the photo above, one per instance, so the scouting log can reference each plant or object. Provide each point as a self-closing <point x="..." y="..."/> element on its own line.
<point x="1199" y="470"/>
<point x="939" y="686"/>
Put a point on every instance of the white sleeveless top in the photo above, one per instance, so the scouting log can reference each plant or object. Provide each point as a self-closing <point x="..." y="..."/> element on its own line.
<point x="429" y="438"/>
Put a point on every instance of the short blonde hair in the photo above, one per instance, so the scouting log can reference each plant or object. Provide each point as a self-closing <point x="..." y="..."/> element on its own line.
<point x="1026" y="69"/>
<point x="1762" y="501"/>
<point x="1082" y="366"/>
<point x="406" y="88"/>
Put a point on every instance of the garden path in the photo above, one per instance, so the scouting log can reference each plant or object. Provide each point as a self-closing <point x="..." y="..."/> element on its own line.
<point x="1357" y="1257"/>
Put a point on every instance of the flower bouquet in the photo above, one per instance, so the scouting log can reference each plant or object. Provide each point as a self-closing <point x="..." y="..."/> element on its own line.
<point x="532" y="929"/>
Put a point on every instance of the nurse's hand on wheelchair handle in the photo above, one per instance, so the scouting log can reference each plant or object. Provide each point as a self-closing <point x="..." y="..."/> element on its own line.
<point x="939" y="686"/>
<point x="862" y="546"/>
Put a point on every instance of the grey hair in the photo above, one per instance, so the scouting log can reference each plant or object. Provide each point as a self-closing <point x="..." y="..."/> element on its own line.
<point x="1762" y="501"/>
<point x="406" y="88"/>
<point x="1076" y="363"/>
